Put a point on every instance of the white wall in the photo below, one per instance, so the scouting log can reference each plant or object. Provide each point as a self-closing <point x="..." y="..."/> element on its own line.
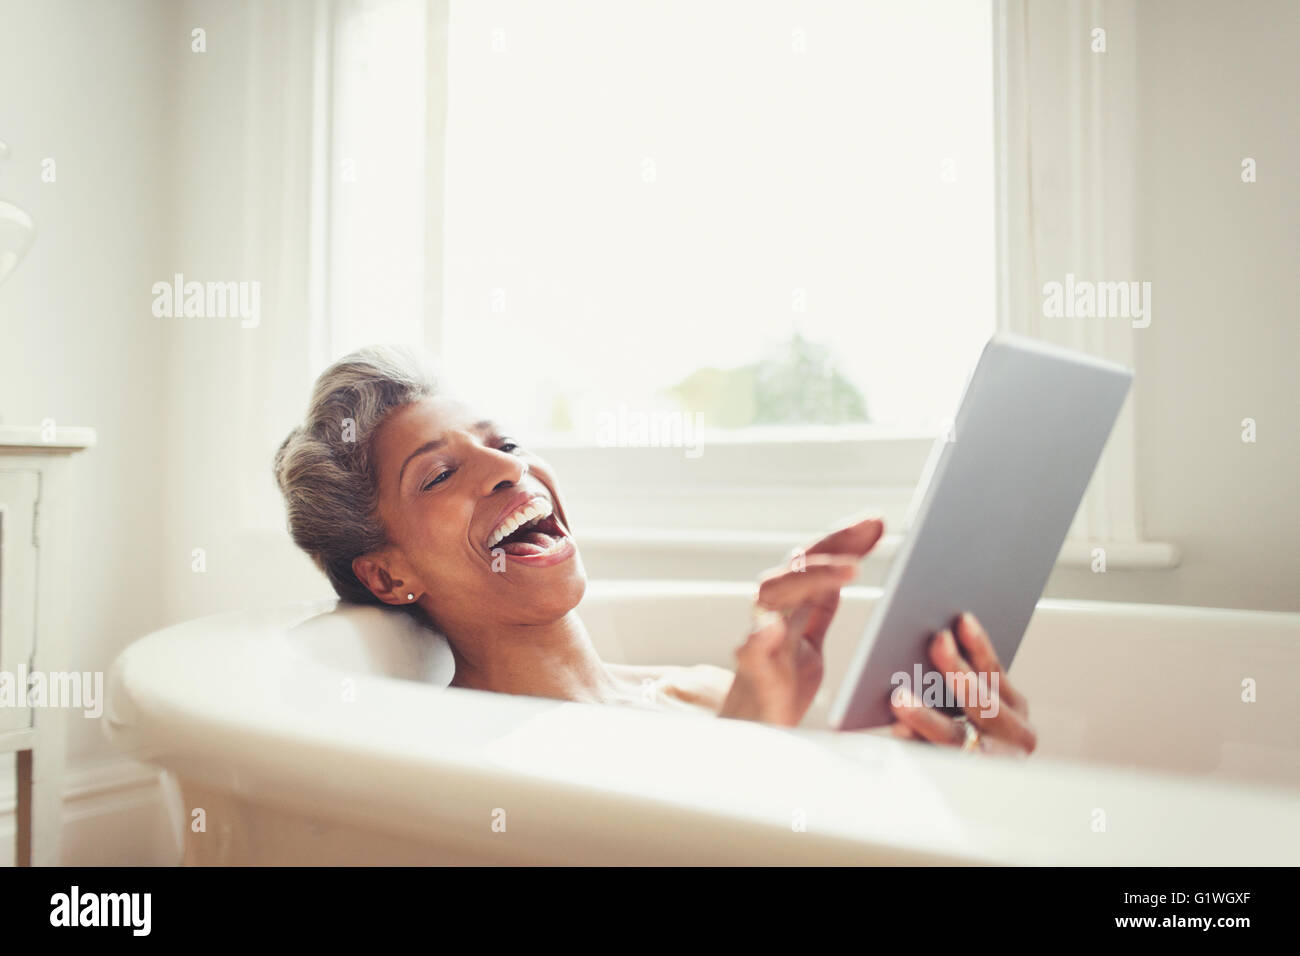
<point x="155" y="149"/>
<point x="1217" y="82"/>
<point x="240" y="212"/>
<point x="87" y="86"/>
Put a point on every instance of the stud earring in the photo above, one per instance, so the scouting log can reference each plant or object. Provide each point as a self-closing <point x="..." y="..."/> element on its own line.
<point x="410" y="597"/>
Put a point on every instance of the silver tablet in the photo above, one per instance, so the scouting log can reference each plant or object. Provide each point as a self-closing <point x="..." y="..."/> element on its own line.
<point x="989" y="523"/>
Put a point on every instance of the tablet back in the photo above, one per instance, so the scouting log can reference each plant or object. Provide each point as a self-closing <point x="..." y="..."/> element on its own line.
<point x="992" y="519"/>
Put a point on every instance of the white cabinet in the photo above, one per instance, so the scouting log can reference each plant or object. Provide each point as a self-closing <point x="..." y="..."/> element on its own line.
<point x="34" y="488"/>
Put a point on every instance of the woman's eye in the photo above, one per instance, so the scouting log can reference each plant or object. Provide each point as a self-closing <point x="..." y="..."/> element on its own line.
<point x="442" y="476"/>
<point x="507" y="446"/>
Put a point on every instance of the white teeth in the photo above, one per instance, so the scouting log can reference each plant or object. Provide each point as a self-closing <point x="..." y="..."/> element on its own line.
<point x="532" y="511"/>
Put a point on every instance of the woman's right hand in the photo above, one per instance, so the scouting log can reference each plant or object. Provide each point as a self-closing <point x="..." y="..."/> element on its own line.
<point x="779" y="667"/>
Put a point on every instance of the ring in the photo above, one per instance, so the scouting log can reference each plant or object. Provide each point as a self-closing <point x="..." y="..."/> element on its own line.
<point x="972" y="741"/>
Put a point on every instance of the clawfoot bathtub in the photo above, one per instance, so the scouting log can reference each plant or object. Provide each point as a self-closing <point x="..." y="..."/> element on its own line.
<point x="310" y="734"/>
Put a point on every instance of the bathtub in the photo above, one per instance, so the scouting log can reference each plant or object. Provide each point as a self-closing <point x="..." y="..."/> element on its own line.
<point x="323" y="735"/>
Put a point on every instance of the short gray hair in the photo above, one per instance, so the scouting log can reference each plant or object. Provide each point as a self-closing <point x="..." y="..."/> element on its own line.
<point x="325" y="467"/>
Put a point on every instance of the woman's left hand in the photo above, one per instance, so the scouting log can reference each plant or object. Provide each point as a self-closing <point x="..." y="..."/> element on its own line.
<point x="1001" y="719"/>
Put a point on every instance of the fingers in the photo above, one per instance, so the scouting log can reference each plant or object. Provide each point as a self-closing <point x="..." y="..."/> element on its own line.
<point x="820" y="614"/>
<point x="815" y="583"/>
<point x="814" y="590"/>
<point x="785" y="589"/>
<point x="856" y="539"/>
<point x="988" y="699"/>
<point x="765" y="637"/>
<point x="760" y="651"/>
<point x="987" y="710"/>
<point x="795" y="629"/>
<point x="764" y="686"/>
<point x="773" y="641"/>
<point x="977" y="646"/>
<point x="924" y="722"/>
<point x="979" y="651"/>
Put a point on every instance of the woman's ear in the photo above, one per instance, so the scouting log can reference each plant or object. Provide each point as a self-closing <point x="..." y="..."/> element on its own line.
<point x="372" y="571"/>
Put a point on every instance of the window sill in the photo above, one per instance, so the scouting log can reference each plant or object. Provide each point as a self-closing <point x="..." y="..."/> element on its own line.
<point x="772" y="546"/>
<point x="778" y="487"/>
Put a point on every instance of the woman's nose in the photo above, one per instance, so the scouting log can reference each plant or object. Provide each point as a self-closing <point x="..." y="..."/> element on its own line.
<point x="509" y="473"/>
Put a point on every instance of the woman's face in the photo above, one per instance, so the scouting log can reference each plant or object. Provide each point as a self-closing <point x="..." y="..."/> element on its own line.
<point x="449" y="485"/>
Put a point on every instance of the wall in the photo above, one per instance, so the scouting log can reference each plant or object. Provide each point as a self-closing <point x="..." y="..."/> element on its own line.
<point x="1217" y="82"/>
<point x="85" y="84"/>
<point x="157" y="151"/>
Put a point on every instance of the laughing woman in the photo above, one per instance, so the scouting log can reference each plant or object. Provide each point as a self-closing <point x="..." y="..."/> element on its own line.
<point x="433" y="509"/>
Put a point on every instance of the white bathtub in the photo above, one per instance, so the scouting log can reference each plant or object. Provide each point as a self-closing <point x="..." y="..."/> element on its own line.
<point x="1147" y="753"/>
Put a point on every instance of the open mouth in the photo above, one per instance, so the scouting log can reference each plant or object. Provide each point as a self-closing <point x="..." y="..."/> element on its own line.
<point x="532" y="530"/>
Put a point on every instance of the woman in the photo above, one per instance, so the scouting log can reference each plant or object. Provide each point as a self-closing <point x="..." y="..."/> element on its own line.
<point x="404" y="496"/>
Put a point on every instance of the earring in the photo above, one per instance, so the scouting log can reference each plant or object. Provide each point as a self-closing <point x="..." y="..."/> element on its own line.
<point x="410" y="597"/>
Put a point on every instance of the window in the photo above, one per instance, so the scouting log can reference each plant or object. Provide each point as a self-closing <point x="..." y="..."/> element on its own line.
<point x="774" y="221"/>
<point x="765" y="217"/>
<point x="379" y="183"/>
<point x="791" y="227"/>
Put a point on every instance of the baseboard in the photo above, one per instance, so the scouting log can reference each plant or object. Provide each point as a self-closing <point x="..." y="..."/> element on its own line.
<point x="113" y="815"/>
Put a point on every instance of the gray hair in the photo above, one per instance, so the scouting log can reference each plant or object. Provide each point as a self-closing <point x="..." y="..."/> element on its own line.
<point x="325" y="467"/>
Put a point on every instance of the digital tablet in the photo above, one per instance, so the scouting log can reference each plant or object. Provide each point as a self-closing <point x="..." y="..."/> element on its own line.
<point x="989" y="523"/>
